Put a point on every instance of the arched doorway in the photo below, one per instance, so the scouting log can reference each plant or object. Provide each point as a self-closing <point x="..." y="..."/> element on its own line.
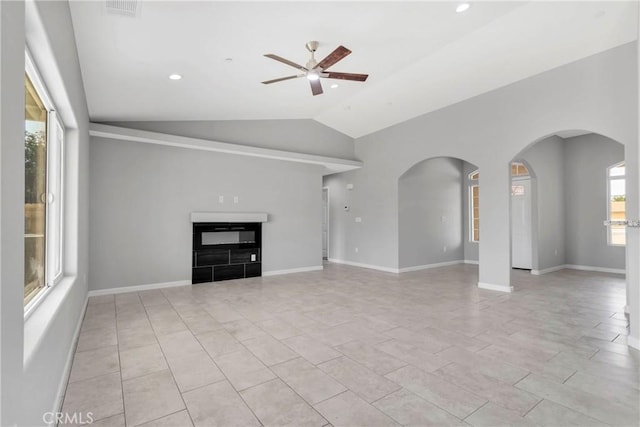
<point x="572" y="196"/>
<point x="435" y="214"/>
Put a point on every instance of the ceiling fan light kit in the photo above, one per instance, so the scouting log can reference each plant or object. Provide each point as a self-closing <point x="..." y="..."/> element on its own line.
<point x="315" y="70"/>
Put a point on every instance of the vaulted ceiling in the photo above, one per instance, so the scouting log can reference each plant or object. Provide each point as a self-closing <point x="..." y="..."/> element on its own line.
<point x="420" y="56"/>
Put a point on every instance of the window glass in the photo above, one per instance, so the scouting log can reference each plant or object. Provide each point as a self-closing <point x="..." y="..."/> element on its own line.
<point x="35" y="196"/>
<point x="519" y="169"/>
<point x="616" y="205"/>
<point x="475" y="213"/>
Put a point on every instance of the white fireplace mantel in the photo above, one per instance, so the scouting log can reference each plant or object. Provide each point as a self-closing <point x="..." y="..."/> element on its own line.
<point x="229" y="217"/>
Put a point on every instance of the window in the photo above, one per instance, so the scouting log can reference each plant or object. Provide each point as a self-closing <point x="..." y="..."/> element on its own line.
<point x="616" y="201"/>
<point x="43" y="145"/>
<point x="519" y="169"/>
<point x="474" y="207"/>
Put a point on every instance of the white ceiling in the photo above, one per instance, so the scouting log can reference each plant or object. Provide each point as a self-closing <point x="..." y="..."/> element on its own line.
<point x="420" y="56"/>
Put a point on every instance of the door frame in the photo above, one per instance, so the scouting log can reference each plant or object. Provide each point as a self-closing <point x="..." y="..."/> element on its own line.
<point x="328" y="219"/>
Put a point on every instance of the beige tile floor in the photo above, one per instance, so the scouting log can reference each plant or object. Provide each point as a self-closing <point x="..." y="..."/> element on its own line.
<point x="355" y="347"/>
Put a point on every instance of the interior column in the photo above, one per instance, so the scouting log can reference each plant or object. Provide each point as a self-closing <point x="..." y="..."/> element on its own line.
<point x="495" y="230"/>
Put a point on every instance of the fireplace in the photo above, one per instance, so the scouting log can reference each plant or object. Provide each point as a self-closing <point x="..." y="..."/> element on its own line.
<point x="226" y="250"/>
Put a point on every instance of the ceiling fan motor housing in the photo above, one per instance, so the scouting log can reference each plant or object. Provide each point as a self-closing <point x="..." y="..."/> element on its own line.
<point x="312" y="46"/>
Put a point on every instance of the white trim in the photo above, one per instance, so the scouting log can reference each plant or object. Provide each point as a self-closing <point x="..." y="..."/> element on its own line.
<point x="633" y="342"/>
<point x="331" y="164"/>
<point x="328" y="213"/>
<point x="548" y="270"/>
<point x="579" y="267"/>
<point x="62" y="387"/>
<point x="370" y="266"/>
<point x="428" y="266"/>
<point x="471" y="261"/>
<point x="137" y="288"/>
<point x="597" y="269"/>
<point x="494" y="287"/>
<point x="292" y="270"/>
<point x="229" y="216"/>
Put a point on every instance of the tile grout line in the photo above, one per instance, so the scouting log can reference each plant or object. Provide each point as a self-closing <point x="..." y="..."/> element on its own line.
<point x="168" y="366"/>
<point x="215" y="382"/>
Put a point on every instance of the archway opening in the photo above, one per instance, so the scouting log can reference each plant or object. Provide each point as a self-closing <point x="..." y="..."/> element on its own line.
<point x="436" y="205"/>
<point x="576" y="184"/>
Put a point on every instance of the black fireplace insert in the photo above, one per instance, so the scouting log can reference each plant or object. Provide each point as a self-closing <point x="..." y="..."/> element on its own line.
<point x="223" y="251"/>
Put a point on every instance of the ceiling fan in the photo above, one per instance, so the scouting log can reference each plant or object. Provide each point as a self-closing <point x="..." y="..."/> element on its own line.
<point x="315" y="70"/>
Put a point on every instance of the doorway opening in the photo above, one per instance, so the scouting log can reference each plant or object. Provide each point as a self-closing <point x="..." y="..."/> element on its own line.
<point x="521" y="227"/>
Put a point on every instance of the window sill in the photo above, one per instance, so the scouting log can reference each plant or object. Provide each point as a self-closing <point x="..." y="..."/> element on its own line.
<point x="39" y="318"/>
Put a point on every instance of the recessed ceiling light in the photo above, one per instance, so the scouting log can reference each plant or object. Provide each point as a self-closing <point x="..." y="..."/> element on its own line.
<point x="175" y="76"/>
<point x="335" y="85"/>
<point x="228" y="59"/>
<point x="462" y="7"/>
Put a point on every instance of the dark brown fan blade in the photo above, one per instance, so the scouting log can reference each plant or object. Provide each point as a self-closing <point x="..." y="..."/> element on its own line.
<point x="316" y="87"/>
<point x="345" y="76"/>
<point x="281" y="79"/>
<point x="285" y="61"/>
<point x="334" y="57"/>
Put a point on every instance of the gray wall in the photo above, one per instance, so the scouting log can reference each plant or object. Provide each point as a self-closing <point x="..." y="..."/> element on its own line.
<point x="142" y="195"/>
<point x="546" y="162"/>
<point x="568" y="202"/>
<point x="300" y="136"/>
<point x="430" y="213"/>
<point x="34" y="352"/>
<point x="12" y="32"/>
<point x="596" y="94"/>
<point x="587" y="160"/>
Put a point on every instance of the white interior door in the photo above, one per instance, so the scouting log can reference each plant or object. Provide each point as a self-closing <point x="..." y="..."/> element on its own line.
<point x="325" y="222"/>
<point x="521" y="256"/>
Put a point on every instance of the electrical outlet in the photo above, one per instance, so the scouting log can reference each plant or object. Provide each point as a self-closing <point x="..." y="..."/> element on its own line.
<point x="220" y="199"/>
<point x="253" y="257"/>
<point x="235" y="199"/>
<point x="444" y="248"/>
<point x="358" y="219"/>
<point x="356" y="249"/>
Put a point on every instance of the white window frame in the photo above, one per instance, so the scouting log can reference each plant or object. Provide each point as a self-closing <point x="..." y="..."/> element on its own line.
<point x="608" y="201"/>
<point x="472" y="183"/>
<point x="54" y="243"/>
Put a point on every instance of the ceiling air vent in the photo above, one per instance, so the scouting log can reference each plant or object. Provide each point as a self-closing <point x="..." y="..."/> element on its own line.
<point x="122" y="7"/>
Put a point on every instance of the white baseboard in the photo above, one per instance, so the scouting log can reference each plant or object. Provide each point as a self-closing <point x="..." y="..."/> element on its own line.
<point x="292" y="270"/>
<point x="428" y="266"/>
<point x="548" y="270"/>
<point x="137" y="288"/>
<point x="471" y="261"/>
<point x="493" y="287"/>
<point x="62" y="387"/>
<point x="370" y="266"/>
<point x="578" y="267"/>
<point x="633" y="342"/>
<point x="596" y="269"/>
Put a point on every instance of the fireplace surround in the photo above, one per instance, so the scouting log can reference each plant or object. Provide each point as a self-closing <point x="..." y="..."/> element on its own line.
<point x="229" y="248"/>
